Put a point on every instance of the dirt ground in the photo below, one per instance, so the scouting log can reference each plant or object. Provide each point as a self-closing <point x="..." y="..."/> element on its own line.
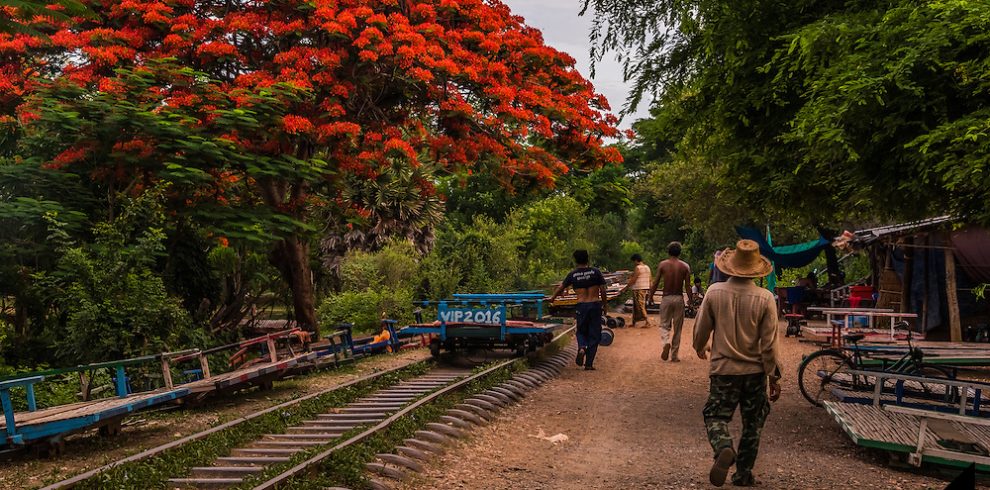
<point x="636" y="423"/>
<point x="149" y="429"/>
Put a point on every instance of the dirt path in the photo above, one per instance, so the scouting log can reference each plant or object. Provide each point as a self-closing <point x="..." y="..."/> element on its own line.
<point x="149" y="429"/>
<point x="636" y="423"/>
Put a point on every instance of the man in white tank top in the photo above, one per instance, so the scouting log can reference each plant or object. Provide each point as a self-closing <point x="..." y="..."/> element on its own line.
<point x="639" y="283"/>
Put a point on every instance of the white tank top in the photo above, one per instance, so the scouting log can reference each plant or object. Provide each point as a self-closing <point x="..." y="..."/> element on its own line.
<point x="643" y="279"/>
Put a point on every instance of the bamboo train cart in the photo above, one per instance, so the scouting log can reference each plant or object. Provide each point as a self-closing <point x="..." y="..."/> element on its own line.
<point x="511" y="321"/>
<point x="258" y="361"/>
<point x="46" y="428"/>
<point x="951" y="432"/>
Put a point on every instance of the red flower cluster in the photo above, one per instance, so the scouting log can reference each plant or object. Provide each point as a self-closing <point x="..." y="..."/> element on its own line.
<point x="461" y="84"/>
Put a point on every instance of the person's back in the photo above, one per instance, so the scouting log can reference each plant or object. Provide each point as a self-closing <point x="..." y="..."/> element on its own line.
<point x="674" y="273"/>
<point x="643" y="276"/>
<point x="742" y="319"/>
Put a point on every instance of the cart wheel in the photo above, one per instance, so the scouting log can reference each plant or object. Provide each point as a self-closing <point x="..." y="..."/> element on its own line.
<point x="521" y="348"/>
<point x="52" y="448"/>
<point x="610" y="322"/>
<point x="435" y="347"/>
<point x="110" y="430"/>
<point x="620" y="321"/>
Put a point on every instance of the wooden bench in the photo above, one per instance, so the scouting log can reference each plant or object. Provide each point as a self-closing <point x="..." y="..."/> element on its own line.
<point x="8" y="405"/>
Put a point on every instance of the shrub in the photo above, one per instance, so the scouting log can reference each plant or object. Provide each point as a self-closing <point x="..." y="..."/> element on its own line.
<point x="365" y="309"/>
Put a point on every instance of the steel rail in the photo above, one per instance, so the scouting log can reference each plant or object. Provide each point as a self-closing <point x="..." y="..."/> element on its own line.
<point x="75" y="480"/>
<point x="312" y="462"/>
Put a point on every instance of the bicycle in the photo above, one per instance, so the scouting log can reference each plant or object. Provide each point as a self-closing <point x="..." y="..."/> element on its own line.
<point x="821" y="373"/>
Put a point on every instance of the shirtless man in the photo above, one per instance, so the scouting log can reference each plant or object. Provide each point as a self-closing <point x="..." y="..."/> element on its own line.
<point x="676" y="277"/>
<point x="589" y="285"/>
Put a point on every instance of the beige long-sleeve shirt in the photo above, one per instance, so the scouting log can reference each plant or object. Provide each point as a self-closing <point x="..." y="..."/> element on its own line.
<point x="741" y="320"/>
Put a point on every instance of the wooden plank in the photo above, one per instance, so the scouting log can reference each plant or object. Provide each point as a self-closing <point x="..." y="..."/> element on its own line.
<point x="952" y="297"/>
<point x="873" y="427"/>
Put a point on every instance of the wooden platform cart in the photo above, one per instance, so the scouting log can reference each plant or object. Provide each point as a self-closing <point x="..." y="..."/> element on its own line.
<point x="952" y="432"/>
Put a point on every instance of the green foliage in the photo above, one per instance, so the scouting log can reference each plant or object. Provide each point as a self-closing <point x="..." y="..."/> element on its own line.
<point x="366" y="309"/>
<point x="808" y="112"/>
<point x="374" y="286"/>
<point x="114" y="305"/>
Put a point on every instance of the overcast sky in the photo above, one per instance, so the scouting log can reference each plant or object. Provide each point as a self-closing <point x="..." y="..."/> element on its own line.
<point x="565" y="30"/>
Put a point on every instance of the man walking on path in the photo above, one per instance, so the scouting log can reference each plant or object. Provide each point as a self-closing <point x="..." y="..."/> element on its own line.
<point x="592" y="301"/>
<point x="676" y="277"/>
<point x="639" y="282"/>
<point x="743" y="319"/>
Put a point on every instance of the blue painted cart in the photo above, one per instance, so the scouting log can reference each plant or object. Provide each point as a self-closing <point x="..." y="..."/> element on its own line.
<point x="50" y="426"/>
<point x="488" y="321"/>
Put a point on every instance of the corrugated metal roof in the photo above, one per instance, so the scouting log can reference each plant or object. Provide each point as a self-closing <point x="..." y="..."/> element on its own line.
<point x="868" y="236"/>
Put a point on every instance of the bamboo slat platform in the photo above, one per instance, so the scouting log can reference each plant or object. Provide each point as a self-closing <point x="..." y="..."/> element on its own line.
<point x="248" y="375"/>
<point x="873" y="427"/>
<point x="914" y="398"/>
<point x="75" y="417"/>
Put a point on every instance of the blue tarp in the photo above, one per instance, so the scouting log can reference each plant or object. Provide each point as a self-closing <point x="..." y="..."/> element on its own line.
<point x="785" y="256"/>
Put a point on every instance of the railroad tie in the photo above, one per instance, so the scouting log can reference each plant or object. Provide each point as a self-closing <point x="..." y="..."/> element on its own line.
<point x="252" y="460"/>
<point x="466" y="415"/>
<point x="485" y="412"/>
<point x="387" y="471"/>
<point x="423" y="445"/>
<point x="224" y="471"/>
<point x="445" y="430"/>
<point x="412" y="452"/>
<point x="431" y="436"/>
<point x="204" y="482"/>
<point x="456" y="422"/>
<point x="376" y="484"/>
<point x="512" y="394"/>
<point x="496" y="398"/>
<point x="402" y="461"/>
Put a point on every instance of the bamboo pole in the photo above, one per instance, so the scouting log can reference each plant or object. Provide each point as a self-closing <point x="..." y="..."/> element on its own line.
<point x="908" y="277"/>
<point x="952" y="297"/>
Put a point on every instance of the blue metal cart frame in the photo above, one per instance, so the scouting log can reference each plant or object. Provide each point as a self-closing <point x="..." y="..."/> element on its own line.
<point x="482" y="319"/>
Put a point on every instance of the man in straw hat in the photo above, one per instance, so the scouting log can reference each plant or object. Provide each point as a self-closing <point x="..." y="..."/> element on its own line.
<point x="741" y="320"/>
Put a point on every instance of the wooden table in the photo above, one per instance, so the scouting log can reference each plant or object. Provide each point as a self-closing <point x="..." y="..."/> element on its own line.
<point x="870" y="313"/>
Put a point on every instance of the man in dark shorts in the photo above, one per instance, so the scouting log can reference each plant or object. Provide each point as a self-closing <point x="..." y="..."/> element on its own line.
<point x="592" y="300"/>
<point x="676" y="277"/>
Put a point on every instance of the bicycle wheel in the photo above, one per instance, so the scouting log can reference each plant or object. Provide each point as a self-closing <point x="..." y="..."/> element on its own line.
<point x="932" y="391"/>
<point x="820" y="373"/>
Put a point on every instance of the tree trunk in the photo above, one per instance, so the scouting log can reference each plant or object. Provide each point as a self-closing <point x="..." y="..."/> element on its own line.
<point x="291" y="257"/>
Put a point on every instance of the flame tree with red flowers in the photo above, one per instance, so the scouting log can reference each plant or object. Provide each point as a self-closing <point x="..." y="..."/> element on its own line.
<point x="254" y="111"/>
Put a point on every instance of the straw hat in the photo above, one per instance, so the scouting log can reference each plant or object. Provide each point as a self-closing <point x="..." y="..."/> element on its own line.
<point x="744" y="261"/>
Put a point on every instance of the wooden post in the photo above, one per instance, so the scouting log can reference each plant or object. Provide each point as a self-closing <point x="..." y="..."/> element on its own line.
<point x="167" y="373"/>
<point x="272" y="353"/>
<point x="204" y="364"/>
<point x="952" y="297"/>
<point x="908" y="277"/>
<point x="927" y="283"/>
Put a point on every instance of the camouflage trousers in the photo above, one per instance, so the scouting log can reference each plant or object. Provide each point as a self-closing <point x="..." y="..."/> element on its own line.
<point x="749" y="393"/>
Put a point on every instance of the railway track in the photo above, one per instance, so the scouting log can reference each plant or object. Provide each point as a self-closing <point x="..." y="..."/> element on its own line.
<point x="372" y="413"/>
